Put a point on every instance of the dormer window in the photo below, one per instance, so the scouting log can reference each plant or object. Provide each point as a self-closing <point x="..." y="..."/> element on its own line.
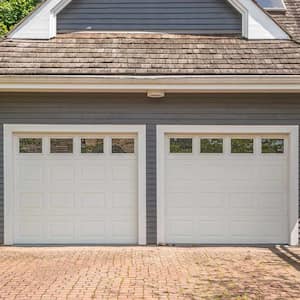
<point x="272" y="5"/>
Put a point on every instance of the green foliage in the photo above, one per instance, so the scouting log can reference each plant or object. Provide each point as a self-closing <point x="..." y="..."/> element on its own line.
<point x="3" y="29"/>
<point x="12" y="11"/>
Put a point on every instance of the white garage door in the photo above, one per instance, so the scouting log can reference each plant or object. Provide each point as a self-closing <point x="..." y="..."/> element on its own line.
<point x="75" y="188"/>
<point x="226" y="189"/>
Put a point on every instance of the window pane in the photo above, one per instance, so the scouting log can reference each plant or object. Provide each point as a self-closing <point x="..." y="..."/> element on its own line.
<point x="122" y="145"/>
<point x="211" y="146"/>
<point x="91" y="145"/>
<point x="30" y="145"/>
<point x="271" y="4"/>
<point x="61" y="146"/>
<point x="241" y="145"/>
<point x="181" y="145"/>
<point x="272" y="146"/>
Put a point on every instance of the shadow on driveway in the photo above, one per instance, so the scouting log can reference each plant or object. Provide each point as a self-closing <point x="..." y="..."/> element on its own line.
<point x="287" y="255"/>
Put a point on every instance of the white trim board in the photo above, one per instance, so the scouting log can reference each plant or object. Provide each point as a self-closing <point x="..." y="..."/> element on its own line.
<point x="141" y="84"/>
<point x="10" y="130"/>
<point x="41" y="24"/>
<point x="291" y="131"/>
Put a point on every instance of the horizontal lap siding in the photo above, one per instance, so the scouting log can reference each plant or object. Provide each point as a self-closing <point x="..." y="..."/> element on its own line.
<point x="201" y="16"/>
<point x="229" y="109"/>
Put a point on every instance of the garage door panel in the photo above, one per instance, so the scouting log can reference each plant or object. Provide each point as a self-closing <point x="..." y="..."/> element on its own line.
<point x="204" y="171"/>
<point x="124" y="187"/>
<point x="242" y="201"/>
<point x="179" y="186"/>
<point x="272" y="201"/>
<point x="179" y="200"/>
<point x="179" y="228"/>
<point x="61" y="173"/>
<point x="61" y="201"/>
<point x="76" y="197"/>
<point x="30" y="171"/>
<point x="225" y="197"/>
<point x="124" y="201"/>
<point x="60" y="230"/>
<point x="255" y="228"/>
<point x="211" y="228"/>
<point x="92" y="200"/>
<point x="122" y="231"/>
<point x="175" y="171"/>
<point x="92" y="172"/>
<point x="91" y="230"/>
<point x="29" y="229"/>
<point x="30" y="202"/>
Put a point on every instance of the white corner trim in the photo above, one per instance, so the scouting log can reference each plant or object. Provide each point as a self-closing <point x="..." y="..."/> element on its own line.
<point x="41" y="24"/>
<point x="11" y="129"/>
<point x="143" y="84"/>
<point x="291" y="131"/>
<point x="256" y="23"/>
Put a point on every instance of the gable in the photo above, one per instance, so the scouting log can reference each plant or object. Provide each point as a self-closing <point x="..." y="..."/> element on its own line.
<point x="42" y="23"/>
<point x="193" y="16"/>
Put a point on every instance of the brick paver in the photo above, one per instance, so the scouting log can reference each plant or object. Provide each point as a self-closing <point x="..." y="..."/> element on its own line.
<point x="149" y="273"/>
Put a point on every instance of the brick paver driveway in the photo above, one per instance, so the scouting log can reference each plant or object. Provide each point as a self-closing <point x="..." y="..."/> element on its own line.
<point x="149" y="272"/>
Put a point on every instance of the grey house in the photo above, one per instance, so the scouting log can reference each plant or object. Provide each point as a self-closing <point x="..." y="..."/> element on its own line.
<point x="151" y="122"/>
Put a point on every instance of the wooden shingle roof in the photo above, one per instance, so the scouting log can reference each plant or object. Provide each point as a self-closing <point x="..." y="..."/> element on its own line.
<point x="148" y="54"/>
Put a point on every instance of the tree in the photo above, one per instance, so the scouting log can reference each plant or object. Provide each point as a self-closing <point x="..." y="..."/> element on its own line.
<point x="13" y="11"/>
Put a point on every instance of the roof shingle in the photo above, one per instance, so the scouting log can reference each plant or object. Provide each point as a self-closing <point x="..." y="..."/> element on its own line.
<point x="148" y="54"/>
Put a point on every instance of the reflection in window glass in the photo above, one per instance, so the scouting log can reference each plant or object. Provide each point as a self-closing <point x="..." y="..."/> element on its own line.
<point x="271" y="4"/>
<point x="272" y="146"/>
<point x="30" y="145"/>
<point x="61" y="145"/>
<point x="241" y="145"/>
<point x="181" y="145"/>
<point x="211" y="146"/>
<point x="91" y="145"/>
<point x="122" y="145"/>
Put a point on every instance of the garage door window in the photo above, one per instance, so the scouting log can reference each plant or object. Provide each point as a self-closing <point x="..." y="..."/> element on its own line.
<point x="181" y="145"/>
<point x="61" y="145"/>
<point x="30" y="145"/>
<point x="92" y="146"/>
<point x="241" y="145"/>
<point x="272" y="145"/>
<point x="122" y="145"/>
<point x="211" y="145"/>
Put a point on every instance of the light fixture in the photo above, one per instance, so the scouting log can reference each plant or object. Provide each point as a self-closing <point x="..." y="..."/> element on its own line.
<point x="155" y="94"/>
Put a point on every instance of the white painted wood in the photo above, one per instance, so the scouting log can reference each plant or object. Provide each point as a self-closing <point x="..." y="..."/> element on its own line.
<point x="256" y="23"/>
<point x="41" y="24"/>
<point x="228" y="198"/>
<point x="142" y="84"/>
<point x="75" y="198"/>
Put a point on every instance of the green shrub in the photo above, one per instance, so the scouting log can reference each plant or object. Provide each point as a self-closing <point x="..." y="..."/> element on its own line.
<point x="12" y="11"/>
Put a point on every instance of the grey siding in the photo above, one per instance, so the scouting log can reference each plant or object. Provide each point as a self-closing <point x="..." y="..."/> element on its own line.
<point x="201" y="16"/>
<point x="202" y="109"/>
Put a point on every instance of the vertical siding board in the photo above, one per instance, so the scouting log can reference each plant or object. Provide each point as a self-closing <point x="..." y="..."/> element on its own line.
<point x="201" y="16"/>
<point x="151" y="183"/>
<point x="201" y="109"/>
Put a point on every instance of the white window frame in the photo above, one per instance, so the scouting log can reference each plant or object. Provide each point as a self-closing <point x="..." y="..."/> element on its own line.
<point x="293" y="151"/>
<point x="11" y="129"/>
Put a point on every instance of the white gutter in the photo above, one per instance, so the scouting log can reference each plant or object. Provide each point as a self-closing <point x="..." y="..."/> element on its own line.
<point x="144" y="84"/>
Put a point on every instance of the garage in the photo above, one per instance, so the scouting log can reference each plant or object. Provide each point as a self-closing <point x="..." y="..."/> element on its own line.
<point x="77" y="188"/>
<point x="229" y="187"/>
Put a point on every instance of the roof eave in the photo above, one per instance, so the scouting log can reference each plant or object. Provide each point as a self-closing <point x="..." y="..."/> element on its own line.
<point x="143" y="84"/>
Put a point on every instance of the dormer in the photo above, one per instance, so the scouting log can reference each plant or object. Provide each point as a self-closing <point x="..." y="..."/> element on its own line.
<point x="244" y="18"/>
